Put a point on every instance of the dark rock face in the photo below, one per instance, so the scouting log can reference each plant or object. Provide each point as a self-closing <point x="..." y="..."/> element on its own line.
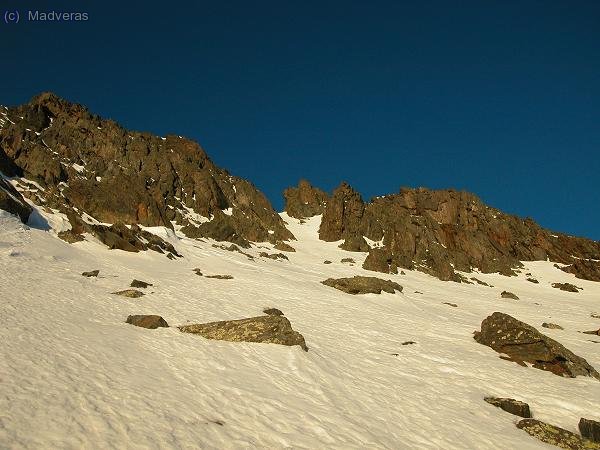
<point x="506" y="294"/>
<point x="554" y="435"/>
<point x="140" y="284"/>
<point x="305" y="200"/>
<point x="150" y="321"/>
<point x="510" y="405"/>
<point x="438" y="232"/>
<point x="13" y="202"/>
<point x="93" y="273"/>
<point x="134" y="239"/>
<point x="363" y="285"/>
<point x="266" y="329"/>
<point x="568" y="287"/>
<point x="584" y="269"/>
<point x="590" y="429"/>
<point x="83" y="160"/>
<point x="523" y="343"/>
<point x="70" y="236"/>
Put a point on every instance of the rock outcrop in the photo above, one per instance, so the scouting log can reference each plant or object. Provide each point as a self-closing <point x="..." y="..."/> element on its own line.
<point x="441" y="232"/>
<point x="130" y="293"/>
<point x="271" y="329"/>
<point x="584" y="269"/>
<point x="83" y="162"/>
<point x="506" y="294"/>
<point x="13" y="202"/>
<point x="553" y="435"/>
<point x="363" y="285"/>
<point x="305" y="200"/>
<point x="522" y="343"/>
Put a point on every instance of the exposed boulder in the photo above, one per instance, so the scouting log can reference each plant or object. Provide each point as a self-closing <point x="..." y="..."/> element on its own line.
<point x="220" y="277"/>
<point x="70" y="236"/>
<point x="590" y="429"/>
<point x="274" y="256"/>
<point x="510" y="405"/>
<point x="147" y="321"/>
<point x="140" y="284"/>
<point x="524" y="344"/>
<point x="554" y="435"/>
<point x="327" y="262"/>
<point x="92" y="273"/>
<point x="552" y="326"/>
<point x="234" y="248"/>
<point x="454" y="305"/>
<point x="355" y="244"/>
<point x="273" y="312"/>
<point x="265" y="329"/>
<point x="506" y="294"/>
<point x="13" y="202"/>
<point x="363" y="285"/>
<point x="284" y="247"/>
<point x="533" y="280"/>
<point x="129" y="293"/>
<point x="348" y="260"/>
<point x="305" y="200"/>
<point x="568" y="287"/>
<point x="594" y="332"/>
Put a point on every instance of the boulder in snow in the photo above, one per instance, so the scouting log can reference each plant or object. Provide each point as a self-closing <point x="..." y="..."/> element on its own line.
<point x="523" y="343"/>
<point x="264" y="329"/>
<point x="363" y="285"/>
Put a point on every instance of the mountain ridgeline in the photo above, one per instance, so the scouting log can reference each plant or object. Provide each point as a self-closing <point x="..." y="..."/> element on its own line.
<point x="438" y="232"/>
<point x="109" y="181"/>
<point x="86" y="167"/>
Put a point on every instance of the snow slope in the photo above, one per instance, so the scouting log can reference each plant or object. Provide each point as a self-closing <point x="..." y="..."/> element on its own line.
<point x="74" y="375"/>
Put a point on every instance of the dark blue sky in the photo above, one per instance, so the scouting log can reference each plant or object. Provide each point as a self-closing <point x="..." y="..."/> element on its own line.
<point x="498" y="98"/>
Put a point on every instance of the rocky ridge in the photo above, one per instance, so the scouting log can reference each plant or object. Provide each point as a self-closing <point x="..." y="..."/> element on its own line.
<point x="445" y="231"/>
<point x="94" y="170"/>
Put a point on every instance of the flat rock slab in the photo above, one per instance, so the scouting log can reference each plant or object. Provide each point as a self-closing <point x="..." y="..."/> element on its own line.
<point x="147" y="321"/>
<point x="554" y="435"/>
<point x="129" y="293"/>
<point x="140" y="284"/>
<point x="93" y="273"/>
<point x="510" y="405"/>
<point x="263" y="329"/>
<point x="523" y="343"/>
<point x="363" y="285"/>
<point x="590" y="429"/>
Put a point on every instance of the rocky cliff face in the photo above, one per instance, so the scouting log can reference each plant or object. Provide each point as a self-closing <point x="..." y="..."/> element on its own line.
<point x="441" y="232"/>
<point x="305" y="200"/>
<point x="87" y="165"/>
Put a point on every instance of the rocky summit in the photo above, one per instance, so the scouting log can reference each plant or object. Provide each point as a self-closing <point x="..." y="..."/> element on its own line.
<point x="445" y="231"/>
<point x="93" y="169"/>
